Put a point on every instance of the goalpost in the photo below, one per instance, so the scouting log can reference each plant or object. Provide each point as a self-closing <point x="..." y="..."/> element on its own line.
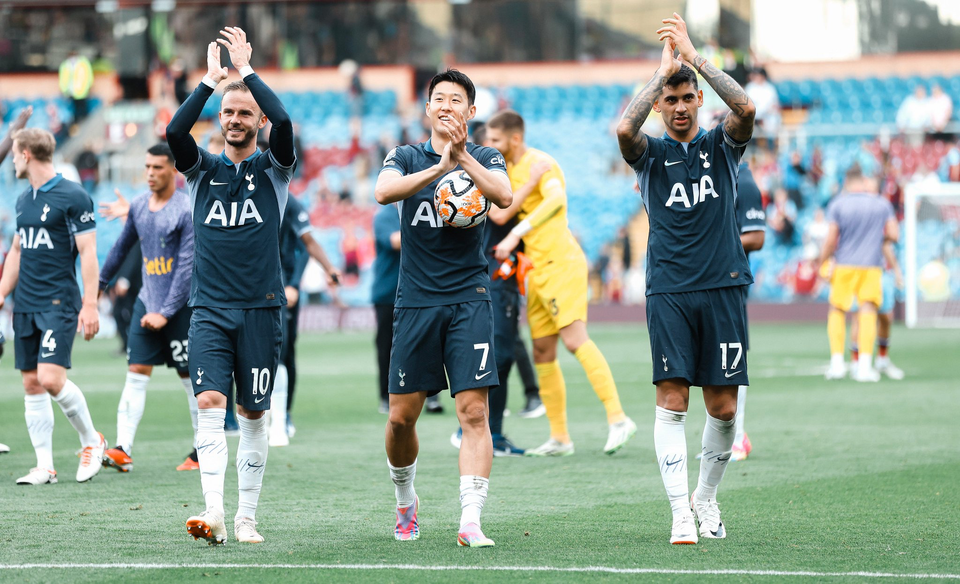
<point x="932" y="255"/>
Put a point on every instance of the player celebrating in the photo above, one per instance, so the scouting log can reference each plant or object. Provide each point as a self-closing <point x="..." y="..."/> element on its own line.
<point x="557" y="293"/>
<point x="443" y="322"/>
<point x="161" y="222"/>
<point x="238" y="198"/>
<point x="55" y="223"/>
<point x="697" y="271"/>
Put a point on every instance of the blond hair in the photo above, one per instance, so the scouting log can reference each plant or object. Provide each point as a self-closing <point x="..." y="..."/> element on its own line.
<point x="40" y="143"/>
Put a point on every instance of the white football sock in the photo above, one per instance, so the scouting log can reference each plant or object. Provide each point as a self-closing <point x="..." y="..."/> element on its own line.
<point x="278" y="401"/>
<point x="38" y="412"/>
<point x="74" y="406"/>
<point x="402" y="477"/>
<point x="741" y="412"/>
<point x="133" y="400"/>
<point x="836" y="360"/>
<point x="251" y="462"/>
<point x="473" y="494"/>
<point x="670" y="443"/>
<point x="212" y="456"/>
<point x="192" y="404"/>
<point x="717" y="442"/>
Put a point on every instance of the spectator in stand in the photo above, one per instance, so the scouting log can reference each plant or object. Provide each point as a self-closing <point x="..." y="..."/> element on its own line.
<point x="88" y="165"/>
<point x="793" y="176"/>
<point x="76" y="80"/>
<point x="782" y="216"/>
<point x="950" y="165"/>
<point x="764" y="96"/>
<point x="913" y="117"/>
<point x="816" y="231"/>
<point x="941" y="110"/>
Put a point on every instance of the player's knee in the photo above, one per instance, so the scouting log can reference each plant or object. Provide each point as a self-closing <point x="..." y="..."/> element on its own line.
<point x="211" y="399"/>
<point x="473" y="415"/>
<point x="141" y="369"/>
<point x="543" y="353"/>
<point x="51" y="381"/>
<point x="724" y="410"/>
<point x="31" y="385"/>
<point x="401" y="419"/>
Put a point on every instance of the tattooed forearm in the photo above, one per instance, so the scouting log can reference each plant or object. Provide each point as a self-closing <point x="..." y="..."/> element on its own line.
<point x="739" y="125"/>
<point x="633" y="142"/>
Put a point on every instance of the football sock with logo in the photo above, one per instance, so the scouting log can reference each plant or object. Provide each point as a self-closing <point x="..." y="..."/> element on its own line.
<point x="867" y="337"/>
<point x="741" y="413"/>
<point x="473" y="494"/>
<point x="601" y="378"/>
<point x="38" y="412"/>
<point x="553" y="393"/>
<point x="402" y="477"/>
<point x="74" y="407"/>
<point x="133" y="400"/>
<point x="717" y="443"/>
<point x="278" y="401"/>
<point x="251" y="463"/>
<point x="192" y="404"/>
<point x="212" y="456"/>
<point x="836" y="331"/>
<point x="670" y="444"/>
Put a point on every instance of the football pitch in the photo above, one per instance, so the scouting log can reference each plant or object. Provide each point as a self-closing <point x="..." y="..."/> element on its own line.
<point x="847" y="482"/>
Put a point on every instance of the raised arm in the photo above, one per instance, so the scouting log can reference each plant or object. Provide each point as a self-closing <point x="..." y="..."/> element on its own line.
<point x="281" y="136"/>
<point x="184" y="147"/>
<point x="18" y="124"/>
<point x="394" y="185"/>
<point x="739" y="122"/>
<point x="119" y="251"/>
<point x="494" y="185"/>
<point x="633" y="142"/>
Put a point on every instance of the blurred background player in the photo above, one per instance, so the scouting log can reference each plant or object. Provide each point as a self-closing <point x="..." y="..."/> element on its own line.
<point x="697" y="270"/>
<point x="557" y="288"/>
<point x="891" y="283"/>
<point x="386" y="273"/>
<point x="443" y="322"/>
<point x="236" y="292"/>
<point x="297" y="246"/>
<point x="860" y="222"/>
<point x="55" y="224"/>
<point x="160" y="222"/>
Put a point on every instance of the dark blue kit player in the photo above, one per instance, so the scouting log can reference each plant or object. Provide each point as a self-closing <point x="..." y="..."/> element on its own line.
<point x="443" y="321"/>
<point x="697" y="271"/>
<point x="237" y="200"/>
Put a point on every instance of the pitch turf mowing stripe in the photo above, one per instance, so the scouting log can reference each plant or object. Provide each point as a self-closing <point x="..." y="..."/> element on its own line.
<point x="585" y="570"/>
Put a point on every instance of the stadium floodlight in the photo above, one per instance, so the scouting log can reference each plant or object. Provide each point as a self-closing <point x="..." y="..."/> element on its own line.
<point x="932" y="255"/>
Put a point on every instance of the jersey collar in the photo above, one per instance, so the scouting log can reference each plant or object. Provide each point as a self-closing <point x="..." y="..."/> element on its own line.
<point x="47" y="186"/>
<point x="700" y="134"/>
<point x="428" y="146"/>
<point x="228" y="162"/>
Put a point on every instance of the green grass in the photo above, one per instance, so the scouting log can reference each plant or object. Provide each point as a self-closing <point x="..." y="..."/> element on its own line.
<point x="844" y="477"/>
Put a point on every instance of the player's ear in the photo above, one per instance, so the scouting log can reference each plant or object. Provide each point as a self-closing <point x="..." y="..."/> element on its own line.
<point x="471" y="111"/>
<point x="699" y="98"/>
<point x="656" y="105"/>
<point x="263" y="121"/>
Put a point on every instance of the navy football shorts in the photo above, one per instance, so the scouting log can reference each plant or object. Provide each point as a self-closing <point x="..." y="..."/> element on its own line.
<point x="435" y="343"/>
<point x="235" y="343"/>
<point x="43" y="337"/>
<point x="699" y="336"/>
<point x="168" y="346"/>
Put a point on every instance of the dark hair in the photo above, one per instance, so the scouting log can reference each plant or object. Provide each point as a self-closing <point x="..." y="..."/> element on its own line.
<point x="506" y="120"/>
<point x="480" y="134"/>
<point x="161" y="150"/>
<point x="684" y="75"/>
<point x="854" y="171"/>
<point x="453" y="76"/>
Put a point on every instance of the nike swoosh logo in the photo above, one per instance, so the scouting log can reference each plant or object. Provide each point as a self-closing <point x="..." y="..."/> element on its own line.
<point x="672" y="163"/>
<point x="479" y="377"/>
<point x="256" y="401"/>
<point x="729" y="375"/>
<point x="45" y="355"/>
<point x="216" y="184"/>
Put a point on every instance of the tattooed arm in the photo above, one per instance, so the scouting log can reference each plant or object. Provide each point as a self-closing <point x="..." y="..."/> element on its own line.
<point x="738" y="124"/>
<point x="633" y="142"/>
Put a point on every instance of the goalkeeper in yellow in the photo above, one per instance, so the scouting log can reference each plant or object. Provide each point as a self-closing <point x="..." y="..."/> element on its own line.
<point x="557" y="287"/>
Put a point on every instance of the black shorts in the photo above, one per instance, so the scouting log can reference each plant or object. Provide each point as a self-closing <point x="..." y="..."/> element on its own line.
<point x="435" y="343"/>
<point x="43" y="337"/>
<point x="699" y="336"/>
<point x="235" y="343"/>
<point x="168" y="346"/>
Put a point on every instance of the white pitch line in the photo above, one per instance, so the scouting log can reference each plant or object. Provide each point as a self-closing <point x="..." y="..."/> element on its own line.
<point x="412" y="567"/>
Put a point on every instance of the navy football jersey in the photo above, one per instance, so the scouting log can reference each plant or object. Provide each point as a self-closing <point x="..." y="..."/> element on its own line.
<point x="47" y="221"/>
<point x="439" y="264"/>
<point x="690" y="194"/>
<point x="296" y="222"/>
<point x="750" y="214"/>
<point x="237" y="210"/>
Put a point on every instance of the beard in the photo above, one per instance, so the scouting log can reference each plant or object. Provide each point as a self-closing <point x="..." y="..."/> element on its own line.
<point x="248" y="136"/>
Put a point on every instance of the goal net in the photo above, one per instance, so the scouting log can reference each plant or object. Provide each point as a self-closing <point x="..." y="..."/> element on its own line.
<point x="931" y="236"/>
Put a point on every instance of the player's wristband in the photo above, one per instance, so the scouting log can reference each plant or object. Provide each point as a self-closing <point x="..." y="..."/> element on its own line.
<point x="246" y="70"/>
<point x="209" y="82"/>
<point x="521" y="228"/>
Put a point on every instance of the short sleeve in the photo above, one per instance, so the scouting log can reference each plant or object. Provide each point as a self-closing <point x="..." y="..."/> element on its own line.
<point x="732" y="148"/>
<point x="396" y="161"/>
<point x="80" y="215"/>
<point x="833" y="214"/>
<point x="491" y="159"/>
<point x="285" y="172"/>
<point x="298" y="217"/>
<point x="750" y="214"/>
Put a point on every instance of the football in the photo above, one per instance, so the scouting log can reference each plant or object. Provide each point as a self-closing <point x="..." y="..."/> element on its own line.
<point x="459" y="202"/>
